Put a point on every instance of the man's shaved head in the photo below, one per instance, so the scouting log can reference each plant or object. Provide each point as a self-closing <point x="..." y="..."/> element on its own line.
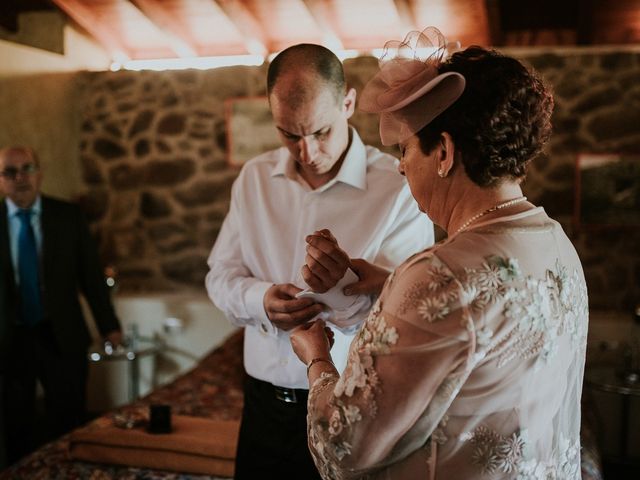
<point x="307" y="67"/>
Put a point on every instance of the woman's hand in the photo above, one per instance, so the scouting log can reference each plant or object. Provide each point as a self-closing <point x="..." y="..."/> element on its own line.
<point x="371" y="281"/>
<point x="312" y="340"/>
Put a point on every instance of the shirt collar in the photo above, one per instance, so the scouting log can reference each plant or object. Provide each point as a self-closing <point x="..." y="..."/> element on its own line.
<point x="12" y="208"/>
<point x="352" y="172"/>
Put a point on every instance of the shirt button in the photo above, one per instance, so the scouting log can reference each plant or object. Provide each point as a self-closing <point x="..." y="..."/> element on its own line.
<point x="263" y="328"/>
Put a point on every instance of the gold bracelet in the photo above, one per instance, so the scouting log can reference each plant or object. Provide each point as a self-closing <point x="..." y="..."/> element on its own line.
<point x="318" y="360"/>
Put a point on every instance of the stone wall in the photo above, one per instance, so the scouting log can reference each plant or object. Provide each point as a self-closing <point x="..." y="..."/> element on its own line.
<point x="153" y="156"/>
<point x="597" y="111"/>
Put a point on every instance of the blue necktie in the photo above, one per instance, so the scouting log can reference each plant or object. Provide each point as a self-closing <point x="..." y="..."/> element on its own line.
<point x="28" y="271"/>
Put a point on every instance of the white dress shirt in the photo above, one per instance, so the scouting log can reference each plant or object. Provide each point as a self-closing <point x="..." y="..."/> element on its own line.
<point x="367" y="206"/>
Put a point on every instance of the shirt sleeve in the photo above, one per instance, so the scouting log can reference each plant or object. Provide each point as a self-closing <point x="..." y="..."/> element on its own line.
<point x="230" y="283"/>
<point x="404" y="369"/>
<point x="410" y="232"/>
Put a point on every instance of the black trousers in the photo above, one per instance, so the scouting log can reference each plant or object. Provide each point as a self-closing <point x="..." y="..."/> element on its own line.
<point x="35" y="357"/>
<point x="273" y="436"/>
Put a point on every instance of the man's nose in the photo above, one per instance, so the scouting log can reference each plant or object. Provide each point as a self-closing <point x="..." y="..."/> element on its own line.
<point x="308" y="149"/>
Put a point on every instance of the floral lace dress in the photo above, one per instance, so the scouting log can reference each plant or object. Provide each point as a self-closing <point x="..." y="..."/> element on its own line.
<point x="469" y="366"/>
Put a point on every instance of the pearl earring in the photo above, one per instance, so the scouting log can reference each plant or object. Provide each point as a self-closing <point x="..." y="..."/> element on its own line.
<point x="441" y="173"/>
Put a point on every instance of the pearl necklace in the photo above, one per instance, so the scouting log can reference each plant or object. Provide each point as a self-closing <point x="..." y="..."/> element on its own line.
<point x="499" y="206"/>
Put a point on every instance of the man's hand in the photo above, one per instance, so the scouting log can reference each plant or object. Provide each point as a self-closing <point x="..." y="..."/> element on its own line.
<point x="371" y="281"/>
<point x="325" y="263"/>
<point x="286" y="311"/>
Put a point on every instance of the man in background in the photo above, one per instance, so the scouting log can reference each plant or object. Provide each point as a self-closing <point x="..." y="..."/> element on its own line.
<point x="288" y="207"/>
<point x="47" y="258"/>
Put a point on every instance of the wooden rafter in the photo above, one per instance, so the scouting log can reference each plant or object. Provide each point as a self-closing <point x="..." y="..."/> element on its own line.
<point x="496" y="36"/>
<point x="246" y="23"/>
<point x="406" y="14"/>
<point x="87" y="18"/>
<point x="321" y="13"/>
<point x="176" y="34"/>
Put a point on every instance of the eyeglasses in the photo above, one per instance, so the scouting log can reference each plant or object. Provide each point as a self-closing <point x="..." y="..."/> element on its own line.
<point x="11" y="173"/>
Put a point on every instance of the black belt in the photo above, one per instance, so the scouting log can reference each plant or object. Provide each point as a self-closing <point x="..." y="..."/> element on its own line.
<point x="284" y="394"/>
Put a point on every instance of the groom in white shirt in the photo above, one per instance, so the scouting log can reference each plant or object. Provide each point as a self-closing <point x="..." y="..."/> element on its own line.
<point x="323" y="179"/>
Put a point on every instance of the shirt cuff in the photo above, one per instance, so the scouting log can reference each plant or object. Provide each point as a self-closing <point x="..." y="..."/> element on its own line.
<point x="254" y="302"/>
<point x="348" y="321"/>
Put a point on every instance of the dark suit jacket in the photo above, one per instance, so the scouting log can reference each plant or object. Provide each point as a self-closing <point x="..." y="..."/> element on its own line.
<point x="69" y="264"/>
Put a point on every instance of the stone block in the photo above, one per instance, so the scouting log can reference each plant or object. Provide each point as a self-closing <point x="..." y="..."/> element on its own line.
<point x="205" y="192"/>
<point x="546" y="61"/>
<point x="615" y="124"/>
<point x="107" y="149"/>
<point x="618" y="61"/>
<point x="594" y="100"/>
<point x="189" y="270"/>
<point x="172" y="124"/>
<point x="141" y="123"/>
<point x="163" y="147"/>
<point x="142" y="148"/>
<point x="91" y="172"/>
<point x="126" y="177"/>
<point x="169" y="172"/>
<point x="128" y="243"/>
<point x="94" y="204"/>
<point x="123" y="207"/>
<point x="154" y="206"/>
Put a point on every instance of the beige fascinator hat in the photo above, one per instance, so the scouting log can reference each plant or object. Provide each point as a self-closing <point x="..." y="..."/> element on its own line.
<point x="407" y="91"/>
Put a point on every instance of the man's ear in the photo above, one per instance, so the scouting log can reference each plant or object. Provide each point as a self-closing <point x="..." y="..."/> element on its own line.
<point x="349" y="102"/>
<point x="447" y="154"/>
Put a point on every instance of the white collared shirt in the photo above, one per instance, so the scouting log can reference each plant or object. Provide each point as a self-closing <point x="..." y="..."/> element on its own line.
<point x="367" y="206"/>
<point x="14" y="224"/>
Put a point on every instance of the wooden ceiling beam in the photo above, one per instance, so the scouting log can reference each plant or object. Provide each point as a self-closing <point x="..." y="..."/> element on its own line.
<point x="249" y="27"/>
<point x="406" y="14"/>
<point x="87" y="19"/>
<point x="178" y="37"/>
<point x="323" y="17"/>
<point x="496" y="36"/>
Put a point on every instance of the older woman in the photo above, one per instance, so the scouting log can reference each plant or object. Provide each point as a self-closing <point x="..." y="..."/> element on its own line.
<point x="470" y="364"/>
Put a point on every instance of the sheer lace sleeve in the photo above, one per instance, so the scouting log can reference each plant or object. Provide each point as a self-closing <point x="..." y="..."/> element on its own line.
<point x="404" y="369"/>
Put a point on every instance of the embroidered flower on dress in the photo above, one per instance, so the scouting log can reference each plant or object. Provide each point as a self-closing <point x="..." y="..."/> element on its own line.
<point x="563" y="464"/>
<point x="375" y="337"/>
<point x="433" y="308"/>
<point x="351" y="414"/>
<point x="487" y="284"/>
<point x="335" y="424"/>
<point x="536" y="311"/>
<point x="495" y="453"/>
<point x="540" y="316"/>
<point x="483" y="337"/>
<point x="438" y="434"/>
<point x="438" y="279"/>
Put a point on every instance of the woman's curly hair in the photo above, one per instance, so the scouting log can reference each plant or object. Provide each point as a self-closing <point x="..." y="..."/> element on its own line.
<point x="500" y="122"/>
